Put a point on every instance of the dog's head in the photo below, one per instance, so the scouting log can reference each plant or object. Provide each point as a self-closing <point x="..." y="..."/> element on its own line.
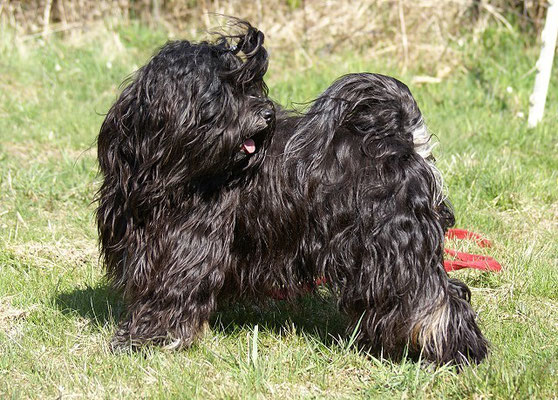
<point x="195" y="112"/>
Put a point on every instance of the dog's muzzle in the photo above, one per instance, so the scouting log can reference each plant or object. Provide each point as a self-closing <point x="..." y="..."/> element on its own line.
<point x="249" y="146"/>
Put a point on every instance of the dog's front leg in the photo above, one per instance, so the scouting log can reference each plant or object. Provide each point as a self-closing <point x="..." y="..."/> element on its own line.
<point x="168" y="320"/>
<point x="171" y="293"/>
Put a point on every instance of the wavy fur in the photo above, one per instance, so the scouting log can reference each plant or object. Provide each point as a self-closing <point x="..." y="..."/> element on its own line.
<point x="347" y="191"/>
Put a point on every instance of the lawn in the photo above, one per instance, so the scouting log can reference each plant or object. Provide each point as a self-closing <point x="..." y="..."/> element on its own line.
<point x="57" y="313"/>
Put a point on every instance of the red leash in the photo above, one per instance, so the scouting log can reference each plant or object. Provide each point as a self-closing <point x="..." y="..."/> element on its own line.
<point x="460" y="260"/>
<point x="465" y="234"/>
<point x="466" y="260"/>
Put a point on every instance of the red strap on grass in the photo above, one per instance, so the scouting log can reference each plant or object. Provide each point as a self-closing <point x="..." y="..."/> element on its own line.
<point x="465" y="234"/>
<point x="466" y="260"/>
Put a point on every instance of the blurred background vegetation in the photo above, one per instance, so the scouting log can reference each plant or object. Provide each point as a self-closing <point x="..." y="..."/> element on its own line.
<point x="414" y="32"/>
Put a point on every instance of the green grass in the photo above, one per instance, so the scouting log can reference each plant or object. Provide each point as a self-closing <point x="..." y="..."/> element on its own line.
<point x="57" y="314"/>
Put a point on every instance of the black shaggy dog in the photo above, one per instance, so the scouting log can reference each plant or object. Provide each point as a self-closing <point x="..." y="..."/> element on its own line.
<point x="211" y="193"/>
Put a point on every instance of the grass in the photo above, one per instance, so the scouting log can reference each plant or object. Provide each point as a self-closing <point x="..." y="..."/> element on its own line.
<point x="57" y="314"/>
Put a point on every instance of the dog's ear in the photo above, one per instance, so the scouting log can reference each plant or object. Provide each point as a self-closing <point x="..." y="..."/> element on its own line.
<point x="117" y="164"/>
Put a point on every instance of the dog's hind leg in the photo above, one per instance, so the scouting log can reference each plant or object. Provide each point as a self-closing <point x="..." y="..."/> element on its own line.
<point x="399" y="290"/>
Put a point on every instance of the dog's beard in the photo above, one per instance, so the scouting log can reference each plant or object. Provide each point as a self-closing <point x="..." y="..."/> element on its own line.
<point x="251" y="151"/>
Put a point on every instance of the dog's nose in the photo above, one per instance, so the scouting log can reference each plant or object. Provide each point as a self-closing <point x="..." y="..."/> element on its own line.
<point x="268" y="114"/>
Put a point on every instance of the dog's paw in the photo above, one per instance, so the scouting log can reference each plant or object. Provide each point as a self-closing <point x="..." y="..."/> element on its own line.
<point x="120" y="345"/>
<point x="122" y="341"/>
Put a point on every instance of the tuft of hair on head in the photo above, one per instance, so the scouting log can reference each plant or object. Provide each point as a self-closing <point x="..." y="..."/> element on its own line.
<point x="247" y="45"/>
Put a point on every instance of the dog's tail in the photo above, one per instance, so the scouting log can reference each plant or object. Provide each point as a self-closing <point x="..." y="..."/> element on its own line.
<point x="375" y="111"/>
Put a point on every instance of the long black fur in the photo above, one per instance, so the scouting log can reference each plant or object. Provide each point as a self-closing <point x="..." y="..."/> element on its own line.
<point x="188" y="219"/>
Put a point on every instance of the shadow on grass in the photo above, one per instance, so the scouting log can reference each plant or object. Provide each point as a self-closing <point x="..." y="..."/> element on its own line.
<point x="315" y="315"/>
<point x="99" y="304"/>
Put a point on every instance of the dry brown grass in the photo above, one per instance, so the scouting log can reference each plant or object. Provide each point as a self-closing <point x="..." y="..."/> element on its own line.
<point x="8" y="312"/>
<point x="61" y="253"/>
<point x="403" y="29"/>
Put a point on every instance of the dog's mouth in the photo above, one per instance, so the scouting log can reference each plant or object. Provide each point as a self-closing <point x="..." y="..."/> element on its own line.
<point x="254" y="143"/>
<point x="248" y="147"/>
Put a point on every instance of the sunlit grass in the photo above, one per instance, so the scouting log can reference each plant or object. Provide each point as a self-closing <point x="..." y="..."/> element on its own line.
<point x="57" y="313"/>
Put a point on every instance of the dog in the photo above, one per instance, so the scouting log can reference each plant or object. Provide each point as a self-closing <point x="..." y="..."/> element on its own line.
<point x="211" y="193"/>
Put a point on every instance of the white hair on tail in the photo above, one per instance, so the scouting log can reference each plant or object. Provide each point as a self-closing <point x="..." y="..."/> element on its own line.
<point x="422" y="139"/>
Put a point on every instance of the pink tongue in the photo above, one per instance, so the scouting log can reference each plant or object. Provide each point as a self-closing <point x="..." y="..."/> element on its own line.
<point x="249" y="146"/>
